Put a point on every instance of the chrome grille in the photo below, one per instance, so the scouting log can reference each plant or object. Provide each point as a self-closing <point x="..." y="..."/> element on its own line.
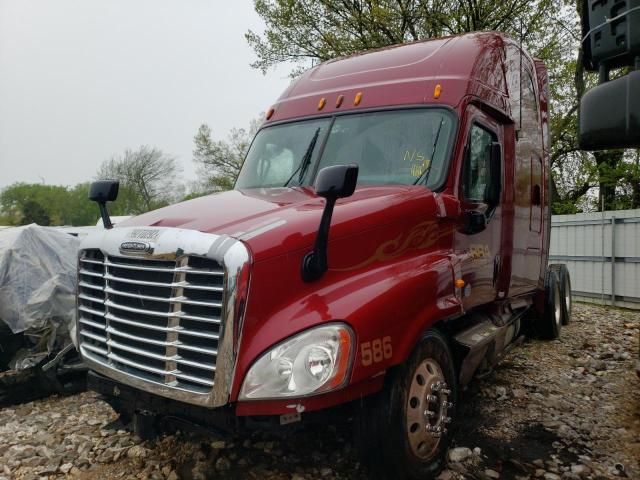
<point x="159" y="320"/>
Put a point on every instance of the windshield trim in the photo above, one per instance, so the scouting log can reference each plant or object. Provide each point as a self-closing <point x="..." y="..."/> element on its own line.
<point x="398" y="108"/>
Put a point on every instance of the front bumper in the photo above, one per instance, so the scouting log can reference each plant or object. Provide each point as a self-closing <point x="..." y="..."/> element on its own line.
<point x="127" y="400"/>
<point x="164" y="412"/>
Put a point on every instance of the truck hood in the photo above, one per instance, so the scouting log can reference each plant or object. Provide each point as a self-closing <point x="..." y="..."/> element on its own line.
<point x="275" y="221"/>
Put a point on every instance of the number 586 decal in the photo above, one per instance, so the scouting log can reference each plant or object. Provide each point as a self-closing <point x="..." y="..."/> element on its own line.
<point x="376" y="351"/>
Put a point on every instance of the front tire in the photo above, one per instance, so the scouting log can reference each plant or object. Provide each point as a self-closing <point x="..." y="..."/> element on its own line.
<point x="404" y="431"/>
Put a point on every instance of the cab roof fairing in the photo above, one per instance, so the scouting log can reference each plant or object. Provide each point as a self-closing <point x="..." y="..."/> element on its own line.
<point x="465" y="65"/>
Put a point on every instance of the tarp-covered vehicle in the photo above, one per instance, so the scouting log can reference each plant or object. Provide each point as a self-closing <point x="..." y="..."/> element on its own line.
<point x="37" y="303"/>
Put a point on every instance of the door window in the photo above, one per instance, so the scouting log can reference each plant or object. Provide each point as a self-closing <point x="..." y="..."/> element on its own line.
<point x="476" y="184"/>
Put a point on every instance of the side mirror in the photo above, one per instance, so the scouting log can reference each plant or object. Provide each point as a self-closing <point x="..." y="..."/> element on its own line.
<point x="495" y="165"/>
<point x="338" y="181"/>
<point x="610" y="115"/>
<point x="331" y="183"/>
<point x="101" y="192"/>
<point x="474" y="222"/>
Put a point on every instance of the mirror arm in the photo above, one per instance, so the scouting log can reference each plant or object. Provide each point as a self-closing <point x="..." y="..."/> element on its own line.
<point x="104" y="213"/>
<point x="315" y="263"/>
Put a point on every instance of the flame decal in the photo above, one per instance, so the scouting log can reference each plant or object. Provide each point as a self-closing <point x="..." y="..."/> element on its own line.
<point x="421" y="236"/>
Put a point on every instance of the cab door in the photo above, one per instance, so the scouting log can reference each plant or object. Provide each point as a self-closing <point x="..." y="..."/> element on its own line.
<point x="478" y="237"/>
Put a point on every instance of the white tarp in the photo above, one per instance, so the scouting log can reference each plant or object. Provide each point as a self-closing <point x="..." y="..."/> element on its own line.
<point x="37" y="278"/>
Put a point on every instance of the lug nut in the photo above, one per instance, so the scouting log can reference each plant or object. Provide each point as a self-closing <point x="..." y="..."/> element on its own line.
<point x="432" y="398"/>
<point x="430" y="413"/>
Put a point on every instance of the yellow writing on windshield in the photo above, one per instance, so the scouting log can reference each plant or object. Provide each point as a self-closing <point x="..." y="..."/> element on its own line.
<point x="419" y="163"/>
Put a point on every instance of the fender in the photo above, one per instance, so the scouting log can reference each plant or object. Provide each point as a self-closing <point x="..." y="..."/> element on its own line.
<point x="395" y="299"/>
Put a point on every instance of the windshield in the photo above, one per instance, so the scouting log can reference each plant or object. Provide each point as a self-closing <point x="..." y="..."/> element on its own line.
<point x="394" y="147"/>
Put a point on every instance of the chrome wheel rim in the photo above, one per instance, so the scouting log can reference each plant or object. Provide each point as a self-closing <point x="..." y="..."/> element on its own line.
<point x="567" y="296"/>
<point x="427" y="409"/>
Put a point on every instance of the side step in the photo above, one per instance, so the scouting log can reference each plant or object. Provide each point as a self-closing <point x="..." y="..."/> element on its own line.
<point x="486" y="341"/>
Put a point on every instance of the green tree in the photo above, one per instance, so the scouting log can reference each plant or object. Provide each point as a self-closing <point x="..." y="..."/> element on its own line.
<point x="33" y="212"/>
<point x="81" y="210"/>
<point x="28" y="203"/>
<point x="305" y="31"/>
<point x="148" y="180"/>
<point x="219" y="161"/>
<point x="24" y="203"/>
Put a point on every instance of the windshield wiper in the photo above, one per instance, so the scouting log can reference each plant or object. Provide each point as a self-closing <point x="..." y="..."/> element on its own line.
<point x="306" y="159"/>
<point x="425" y="174"/>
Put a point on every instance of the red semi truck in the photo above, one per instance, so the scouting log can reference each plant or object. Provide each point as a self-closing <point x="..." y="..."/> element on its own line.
<point x="387" y="237"/>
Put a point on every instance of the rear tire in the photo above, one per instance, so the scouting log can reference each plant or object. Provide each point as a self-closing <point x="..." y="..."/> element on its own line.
<point x="549" y="323"/>
<point x="403" y="432"/>
<point x="565" y="290"/>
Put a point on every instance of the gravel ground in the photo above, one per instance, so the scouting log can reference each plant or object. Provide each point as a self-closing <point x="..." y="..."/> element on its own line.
<point x="567" y="409"/>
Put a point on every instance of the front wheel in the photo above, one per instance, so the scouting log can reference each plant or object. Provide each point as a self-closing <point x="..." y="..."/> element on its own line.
<point x="404" y="431"/>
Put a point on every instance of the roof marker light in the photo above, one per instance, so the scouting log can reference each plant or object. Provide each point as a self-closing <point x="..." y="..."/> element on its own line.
<point x="322" y="103"/>
<point x="270" y="113"/>
<point x="358" y="99"/>
<point x="437" y="91"/>
<point x="339" y="101"/>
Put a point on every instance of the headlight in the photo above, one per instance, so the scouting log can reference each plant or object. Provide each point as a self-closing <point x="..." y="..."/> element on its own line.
<point x="311" y="362"/>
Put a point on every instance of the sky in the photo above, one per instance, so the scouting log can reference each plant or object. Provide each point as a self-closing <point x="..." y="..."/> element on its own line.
<point x="83" y="80"/>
